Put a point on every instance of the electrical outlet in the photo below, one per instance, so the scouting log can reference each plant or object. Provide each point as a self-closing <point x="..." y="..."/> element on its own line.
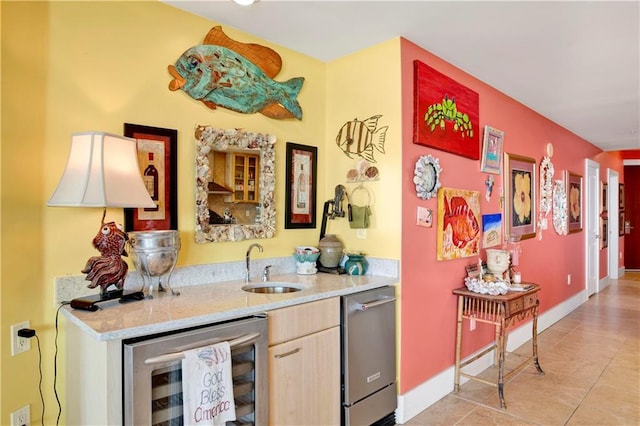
<point x="568" y="279"/>
<point x="472" y="323"/>
<point x="361" y="234"/>
<point x="21" y="417"/>
<point x="19" y="344"/>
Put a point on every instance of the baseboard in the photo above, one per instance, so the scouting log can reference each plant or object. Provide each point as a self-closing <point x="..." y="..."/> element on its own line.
<point x="426" y="394"/>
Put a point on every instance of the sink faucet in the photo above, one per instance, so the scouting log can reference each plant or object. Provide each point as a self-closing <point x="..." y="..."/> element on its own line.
<point x="248" y="259"/>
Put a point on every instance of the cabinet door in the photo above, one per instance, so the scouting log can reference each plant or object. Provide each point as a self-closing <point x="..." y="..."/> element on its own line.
<point x="246" y="171"/>
<point x="304" y="380"/>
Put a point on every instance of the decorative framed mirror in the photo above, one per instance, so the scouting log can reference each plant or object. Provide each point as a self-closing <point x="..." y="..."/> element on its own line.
<point x="427" y="177"/>
<point x="244" y="162"/>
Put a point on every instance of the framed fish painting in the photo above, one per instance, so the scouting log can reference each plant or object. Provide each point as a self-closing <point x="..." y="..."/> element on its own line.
<point x="520" y="196"/>
<point x="446" y="113"/>
<point x="458" y="223"/>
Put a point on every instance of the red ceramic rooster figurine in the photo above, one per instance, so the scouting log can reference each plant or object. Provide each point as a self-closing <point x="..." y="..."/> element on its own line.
<point x="108" y="269"/>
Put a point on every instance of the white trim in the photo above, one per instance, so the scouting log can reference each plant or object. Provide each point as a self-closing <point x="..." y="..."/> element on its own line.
<point x="426" y="394"/>
<point x="631" y="162"/>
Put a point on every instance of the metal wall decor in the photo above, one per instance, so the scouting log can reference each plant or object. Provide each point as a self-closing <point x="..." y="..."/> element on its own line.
<point x="427" y="176"/>
<point x="362" y="138"/>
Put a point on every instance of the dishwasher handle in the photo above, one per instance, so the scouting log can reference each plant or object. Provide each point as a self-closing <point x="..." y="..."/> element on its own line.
<point x="180" y="355"/>
<point x="364" y="306"/>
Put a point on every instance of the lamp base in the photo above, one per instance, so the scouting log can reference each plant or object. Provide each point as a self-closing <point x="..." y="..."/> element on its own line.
<point x="90" y="303"/>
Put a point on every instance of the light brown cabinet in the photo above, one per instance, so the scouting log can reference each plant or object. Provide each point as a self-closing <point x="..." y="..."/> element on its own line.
<point x="304" y="364"/>
<point x="244" y="177"/>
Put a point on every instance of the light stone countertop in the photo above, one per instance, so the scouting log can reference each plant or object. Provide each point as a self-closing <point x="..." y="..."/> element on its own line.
<point x="210" y="303"/>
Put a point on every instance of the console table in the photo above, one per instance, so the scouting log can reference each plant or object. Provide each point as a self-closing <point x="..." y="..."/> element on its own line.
<point x="502" y="311"/>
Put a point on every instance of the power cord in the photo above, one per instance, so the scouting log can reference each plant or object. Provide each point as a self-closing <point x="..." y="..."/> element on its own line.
<point x="28" y="333"/>
<point x="55" y="364"/>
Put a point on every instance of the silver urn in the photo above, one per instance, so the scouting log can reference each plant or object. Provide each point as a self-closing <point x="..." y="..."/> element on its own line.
<point x="155" y="254"/>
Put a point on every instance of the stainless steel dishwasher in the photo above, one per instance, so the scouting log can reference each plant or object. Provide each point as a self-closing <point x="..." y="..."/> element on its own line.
<point x="369" y="394"/>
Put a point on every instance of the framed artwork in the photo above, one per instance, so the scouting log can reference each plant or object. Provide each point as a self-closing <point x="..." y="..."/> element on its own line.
<point x="520" y="196"/>
<point x="491" y="150"/>
<point x="458" y="231"/>
<point x="301" y="169"/>
<point x="621" y="196"/>
<point x="621" y="224"/>
<point x="603" y="197"/>
<point x="491" y="230"/>
<point x="157" y="157"/>
<point x="574" y="192"/>
<point x="446" y="113"/>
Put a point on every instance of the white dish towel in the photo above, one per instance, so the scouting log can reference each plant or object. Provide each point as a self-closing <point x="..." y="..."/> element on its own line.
<point x="207" y="386"/>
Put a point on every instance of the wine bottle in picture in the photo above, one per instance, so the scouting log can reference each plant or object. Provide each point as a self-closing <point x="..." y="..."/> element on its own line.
<point x="151" y="182"/>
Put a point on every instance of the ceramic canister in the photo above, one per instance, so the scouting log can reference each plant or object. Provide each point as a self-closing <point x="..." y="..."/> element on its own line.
<point x="356" y="264"/>
<point x="330" y="251"/>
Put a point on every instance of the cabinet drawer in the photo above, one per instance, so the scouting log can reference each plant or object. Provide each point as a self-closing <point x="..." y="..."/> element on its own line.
<point x="300" y="320"/>
<point x="516" y="306"/>
<point x="530" y="300"/>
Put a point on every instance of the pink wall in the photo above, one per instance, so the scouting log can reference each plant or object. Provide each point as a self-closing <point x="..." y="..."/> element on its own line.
<point x="428" y="307"/>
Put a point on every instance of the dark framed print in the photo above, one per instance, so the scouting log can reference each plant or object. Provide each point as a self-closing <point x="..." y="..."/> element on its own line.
<point x="621" y="196"/>
<point x="157" y="157"/>
<point x="301" y="169"/>
<point x="621" y="224"/>
<point x="574" y="194"/>
<point x="520" y="197"/>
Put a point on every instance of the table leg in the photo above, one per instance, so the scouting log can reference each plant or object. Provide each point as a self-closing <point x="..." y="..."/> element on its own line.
<point x="500" y="330"/>
<point x="534" y="339"/>
<point x="456" y="379"/>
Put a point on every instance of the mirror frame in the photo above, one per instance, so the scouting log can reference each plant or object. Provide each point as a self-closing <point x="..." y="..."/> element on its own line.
<point x="214" y="139"/>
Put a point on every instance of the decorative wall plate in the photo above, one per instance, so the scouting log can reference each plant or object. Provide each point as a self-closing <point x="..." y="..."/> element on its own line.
<point x="427" y="177"/>
<point x="559" y="207"/>
<point x="546" y="185"/>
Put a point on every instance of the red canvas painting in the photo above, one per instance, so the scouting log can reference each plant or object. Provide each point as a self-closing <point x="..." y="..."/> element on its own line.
<point x="445" y="113"/>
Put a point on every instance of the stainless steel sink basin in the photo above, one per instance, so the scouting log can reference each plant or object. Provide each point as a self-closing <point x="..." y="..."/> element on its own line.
<point x="272" y="287"/>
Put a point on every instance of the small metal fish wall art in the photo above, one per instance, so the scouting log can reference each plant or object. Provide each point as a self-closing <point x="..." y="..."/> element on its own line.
<point x="362" y="138"/>
<point x="226" y="73"/>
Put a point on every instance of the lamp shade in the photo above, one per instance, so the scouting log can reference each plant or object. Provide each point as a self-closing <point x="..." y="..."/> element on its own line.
<point x="102" y="171"/>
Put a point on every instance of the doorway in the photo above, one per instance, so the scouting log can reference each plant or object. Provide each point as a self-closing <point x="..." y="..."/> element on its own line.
<point x="612" y="228"/>
<point x="631" y="215"/>
<point x="592" y="233"/>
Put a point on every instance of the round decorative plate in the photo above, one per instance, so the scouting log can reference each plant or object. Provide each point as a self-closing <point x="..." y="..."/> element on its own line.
<point x="559" y="207"/>
<point x="427" y="176"/>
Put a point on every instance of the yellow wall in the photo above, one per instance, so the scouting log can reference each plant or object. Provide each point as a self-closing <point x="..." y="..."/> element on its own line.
<point x="74" y="66"/>
<point x="359" y="86"/>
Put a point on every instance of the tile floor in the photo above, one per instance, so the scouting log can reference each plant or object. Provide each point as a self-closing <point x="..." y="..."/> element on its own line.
<point x="592" y="363"/>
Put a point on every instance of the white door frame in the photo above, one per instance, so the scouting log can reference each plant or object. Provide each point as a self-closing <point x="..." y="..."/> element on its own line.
<point x="613" y="238"/>
<point x="592" y="224"/>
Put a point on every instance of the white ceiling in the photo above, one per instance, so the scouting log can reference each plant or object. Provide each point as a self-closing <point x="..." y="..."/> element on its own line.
<point x="575" y="62"/>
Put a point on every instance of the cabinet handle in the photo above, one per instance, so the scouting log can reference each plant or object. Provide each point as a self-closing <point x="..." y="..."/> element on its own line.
<point x="365" y="306"/>
<point x="294" y="351"/>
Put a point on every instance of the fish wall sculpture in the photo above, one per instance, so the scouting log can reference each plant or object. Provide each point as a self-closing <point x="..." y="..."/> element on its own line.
<point x="362" y="138"/>
<point x="237" y="76"/>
